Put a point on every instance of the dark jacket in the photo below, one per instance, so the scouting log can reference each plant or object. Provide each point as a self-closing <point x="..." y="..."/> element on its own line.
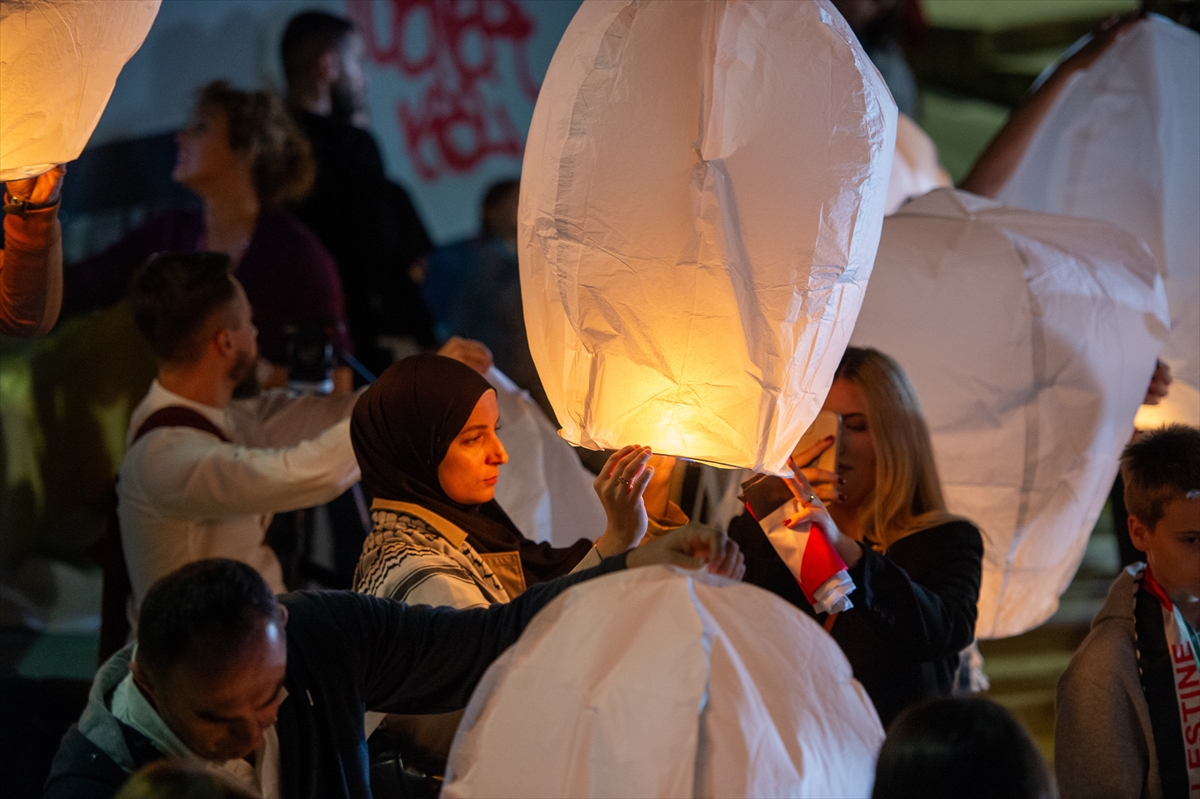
<point x="373" y="230"/>
<point x="914" y="608"/>
<point x="347" y="653"/>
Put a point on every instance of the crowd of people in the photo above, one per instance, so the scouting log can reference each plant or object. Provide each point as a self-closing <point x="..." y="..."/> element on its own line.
<point x="216" y="681"/>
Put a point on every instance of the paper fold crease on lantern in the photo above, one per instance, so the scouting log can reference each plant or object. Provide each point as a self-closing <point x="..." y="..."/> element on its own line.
<point x="701" y="198"/>
<point x="1030" y="339"/>
<point x="1122" y="143"/>
<point x="59" y="61"/>
<point x="659" y="682"/>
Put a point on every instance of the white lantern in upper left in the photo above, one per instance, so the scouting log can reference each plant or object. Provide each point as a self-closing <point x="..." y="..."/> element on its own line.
<point x="59" y="61"/>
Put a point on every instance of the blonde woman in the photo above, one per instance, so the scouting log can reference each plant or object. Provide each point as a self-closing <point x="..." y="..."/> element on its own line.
<point x="916" y="568"/>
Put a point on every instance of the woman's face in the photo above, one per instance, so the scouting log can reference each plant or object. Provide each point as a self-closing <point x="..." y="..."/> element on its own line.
<point x="856" y="450"/>
<point x="471" y="467"/>
<point x="204" y="151"/>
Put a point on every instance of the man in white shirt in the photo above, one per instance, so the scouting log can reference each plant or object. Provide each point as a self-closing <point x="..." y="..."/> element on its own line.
<point x="207" y="486"/>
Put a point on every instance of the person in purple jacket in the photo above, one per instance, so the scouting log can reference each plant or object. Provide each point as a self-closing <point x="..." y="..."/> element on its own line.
<point x="243" y="155"/>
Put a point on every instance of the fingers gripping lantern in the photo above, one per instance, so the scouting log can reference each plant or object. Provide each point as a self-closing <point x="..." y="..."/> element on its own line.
<point x="701" y="200"/>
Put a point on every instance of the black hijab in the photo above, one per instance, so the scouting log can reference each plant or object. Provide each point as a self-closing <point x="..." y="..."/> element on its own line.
<point x="402" y="428"/>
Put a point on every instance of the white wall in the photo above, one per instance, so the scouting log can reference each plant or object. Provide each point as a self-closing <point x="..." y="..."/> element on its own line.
<point x="196" y="41"/>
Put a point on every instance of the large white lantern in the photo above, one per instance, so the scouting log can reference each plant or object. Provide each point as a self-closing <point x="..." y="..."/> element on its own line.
<point x="1030" y="339"/>
<point x="657" y="682"/>
<point x="701" y="199"/>
<point x="1122" y="144"/>
<point x="59" y="61"/>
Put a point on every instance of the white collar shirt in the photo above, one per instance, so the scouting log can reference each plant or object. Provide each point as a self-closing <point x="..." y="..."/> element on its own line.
<point x="184" y="495"/>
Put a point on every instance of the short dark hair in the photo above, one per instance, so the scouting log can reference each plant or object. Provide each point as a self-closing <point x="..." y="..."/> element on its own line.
<point x="308" y="36"/>
<point x="174" y="294"/>
<point x="1158" y="468"/>
<point x="207" y="608"/>
<point x="284" y="168"/>
<point x="960" y="746"/>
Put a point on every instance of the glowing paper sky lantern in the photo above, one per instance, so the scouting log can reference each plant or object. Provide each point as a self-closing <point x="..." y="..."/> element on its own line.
<point x="1122" y="144"/>
<point x="701" y="199"/>
<point x="656" y="682"/>
<point x="59" y="61"/>
<point x="1030" y="339"/>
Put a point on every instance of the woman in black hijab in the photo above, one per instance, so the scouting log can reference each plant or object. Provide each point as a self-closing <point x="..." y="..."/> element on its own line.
<point x="425" y="438"/>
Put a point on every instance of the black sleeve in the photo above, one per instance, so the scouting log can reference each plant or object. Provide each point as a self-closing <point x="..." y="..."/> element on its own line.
<point x="419" y="659"/>
<point x="933" y="616"/>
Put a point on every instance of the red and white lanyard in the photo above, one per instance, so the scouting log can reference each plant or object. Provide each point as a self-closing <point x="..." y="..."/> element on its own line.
<point x="1185" y="675"/>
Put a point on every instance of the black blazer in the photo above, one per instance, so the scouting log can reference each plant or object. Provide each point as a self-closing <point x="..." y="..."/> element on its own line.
<point x="914" y="608"/>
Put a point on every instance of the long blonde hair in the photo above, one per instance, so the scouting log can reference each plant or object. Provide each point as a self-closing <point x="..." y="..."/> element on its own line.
<point x="907" y="496"/>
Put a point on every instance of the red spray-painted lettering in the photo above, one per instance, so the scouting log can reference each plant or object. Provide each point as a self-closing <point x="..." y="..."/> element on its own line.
<point x="460" y="116"/>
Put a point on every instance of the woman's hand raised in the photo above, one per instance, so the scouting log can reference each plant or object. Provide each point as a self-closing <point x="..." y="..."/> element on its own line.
<point x="814" y="512"/>
<point x="620" y="486"/>
<point x="824" y="484"/>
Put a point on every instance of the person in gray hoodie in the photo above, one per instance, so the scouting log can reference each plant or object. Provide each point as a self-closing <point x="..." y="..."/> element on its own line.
<point x="1127" y="715"/>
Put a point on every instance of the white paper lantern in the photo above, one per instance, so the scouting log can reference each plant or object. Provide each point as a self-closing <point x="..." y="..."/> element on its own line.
<point x="59" y="61"/>
<point x="1030" y="339"/>
<point x="543" y="488"/>
<point x="658" y="682"/>
<point x="1122" y="144"/>
<point x="916" y="169"/>
<point x="701" y="198"/>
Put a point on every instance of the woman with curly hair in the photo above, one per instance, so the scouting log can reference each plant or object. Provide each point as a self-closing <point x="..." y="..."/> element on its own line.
<point x="244" y="157"/>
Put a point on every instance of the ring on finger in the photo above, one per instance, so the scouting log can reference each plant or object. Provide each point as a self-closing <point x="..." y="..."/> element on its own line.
<point x="624" y="480"/>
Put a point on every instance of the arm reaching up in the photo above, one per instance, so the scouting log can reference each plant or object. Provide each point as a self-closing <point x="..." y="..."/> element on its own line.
<point x="1000" y="158"/>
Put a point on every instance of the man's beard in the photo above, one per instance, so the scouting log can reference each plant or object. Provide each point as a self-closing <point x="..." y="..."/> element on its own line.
<point x="343" y="105"/>
<point x="244" y="375"/>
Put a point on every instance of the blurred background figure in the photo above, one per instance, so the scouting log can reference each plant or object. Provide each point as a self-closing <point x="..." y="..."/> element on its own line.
<point x="367" y="221"/>
<point x="31" y="260"/>
<point x="473" y="289"/>
<point x="960" y="746"/>
<point x="244" y="157"/>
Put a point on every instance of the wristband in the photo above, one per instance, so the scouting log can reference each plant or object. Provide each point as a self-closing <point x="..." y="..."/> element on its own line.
<point x="20" y="207"/>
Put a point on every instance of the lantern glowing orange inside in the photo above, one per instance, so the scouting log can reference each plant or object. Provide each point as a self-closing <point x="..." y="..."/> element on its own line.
<point x="701" y="199"/>
<point x="59" y="61"/>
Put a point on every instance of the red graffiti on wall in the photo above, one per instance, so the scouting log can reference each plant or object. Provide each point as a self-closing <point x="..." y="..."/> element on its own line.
<point x="454" y="45"/>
